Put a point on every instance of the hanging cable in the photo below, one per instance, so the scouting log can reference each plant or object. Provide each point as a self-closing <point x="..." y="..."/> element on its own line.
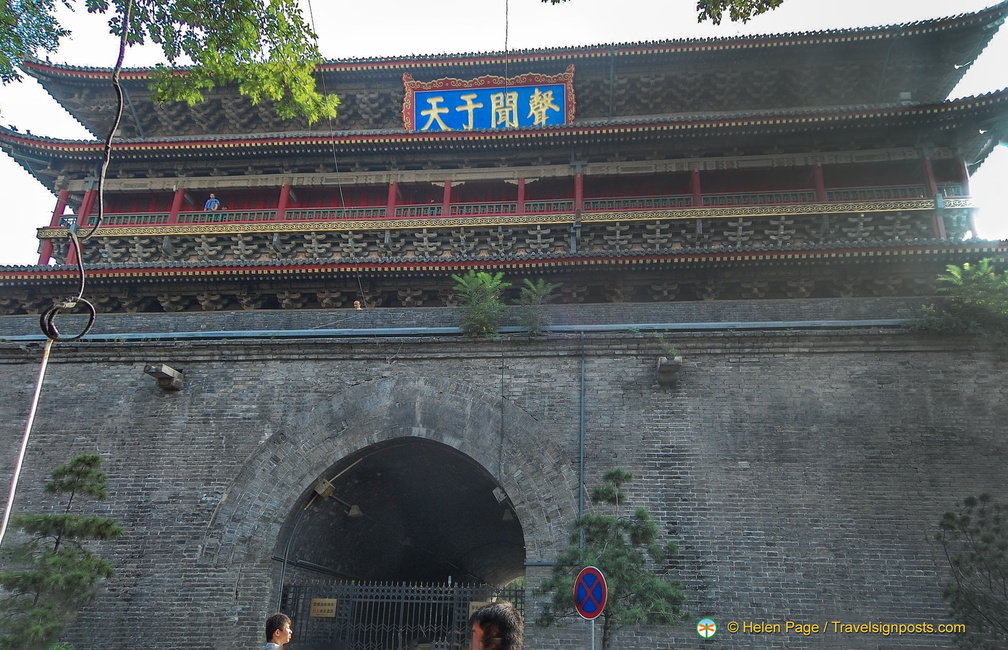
<point x="47" y="321"/>
<point x="332" y="144"/>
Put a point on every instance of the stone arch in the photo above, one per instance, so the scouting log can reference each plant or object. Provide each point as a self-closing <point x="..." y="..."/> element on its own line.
<point x="520" y="455"/>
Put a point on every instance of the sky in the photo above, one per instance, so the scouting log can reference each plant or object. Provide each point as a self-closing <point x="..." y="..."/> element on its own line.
<point x="376" y="28"/>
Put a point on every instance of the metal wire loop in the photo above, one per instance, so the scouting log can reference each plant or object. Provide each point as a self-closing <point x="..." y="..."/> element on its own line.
<point x="47" y="321"/>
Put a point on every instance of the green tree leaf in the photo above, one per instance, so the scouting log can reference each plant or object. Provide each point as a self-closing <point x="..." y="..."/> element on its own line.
<point x="975" y="541"/>
<point x="627" y="551"/>
<point x="51" y="575"/>
<point x="264" y="49"/>
<point x="482" y="307"/>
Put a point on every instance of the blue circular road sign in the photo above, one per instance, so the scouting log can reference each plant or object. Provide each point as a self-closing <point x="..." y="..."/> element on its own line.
<point x="590" y="593"/>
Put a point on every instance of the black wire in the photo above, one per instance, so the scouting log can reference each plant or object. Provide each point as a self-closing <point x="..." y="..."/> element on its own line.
<point x="48" y="317"/>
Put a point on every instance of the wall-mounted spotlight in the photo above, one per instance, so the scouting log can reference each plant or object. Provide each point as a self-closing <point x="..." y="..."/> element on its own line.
<point x="167" y="377"/>
<point x="326" y="489"/>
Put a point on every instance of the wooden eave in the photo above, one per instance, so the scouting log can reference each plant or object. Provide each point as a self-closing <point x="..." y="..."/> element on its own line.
<point x="925" y="58"/>
<point x="111" y="274"/>
<point x="969" y="125"/>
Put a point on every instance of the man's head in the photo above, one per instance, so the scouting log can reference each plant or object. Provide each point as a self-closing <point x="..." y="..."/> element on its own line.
<point x="497" y="626"/>
<point x="278" y="629"/>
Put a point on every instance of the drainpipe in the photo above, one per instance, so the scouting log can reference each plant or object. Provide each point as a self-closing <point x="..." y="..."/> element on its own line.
<point x="581" y="444"/>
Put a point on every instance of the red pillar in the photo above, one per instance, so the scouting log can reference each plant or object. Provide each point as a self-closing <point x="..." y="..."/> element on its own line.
<point x="176" y="205"/>
<point x="695" y="188"/>
<point x="820" y="183"/>
<point x="87" y="203"/>
<point x="45" y="254"/>
<point x="284" y="200"/>
<point x="964" y="171"/>
<point x="393" y="190"/>
<point x="521" y="196"/>
<point x="578" y="192"/>
<point x="937" y="221"/>
<point x="446" y="200"/>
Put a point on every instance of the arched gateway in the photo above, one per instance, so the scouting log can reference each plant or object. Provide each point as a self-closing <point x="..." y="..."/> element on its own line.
<point x="402" y="480"/>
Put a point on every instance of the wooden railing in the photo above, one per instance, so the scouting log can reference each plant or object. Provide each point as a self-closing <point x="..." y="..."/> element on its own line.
<point x="328" y="214"/>
<point x="465" y="209"/>
<point x="228" y="216"/>
<point x="550" y="206"/>
<point x="639" y="203"/>
<point x="430" y="210"/>
<point x="877" y="193"/>
<point x="758" y="198"/>
<point x="546" y="207"/>
<point x="148" y="219"/>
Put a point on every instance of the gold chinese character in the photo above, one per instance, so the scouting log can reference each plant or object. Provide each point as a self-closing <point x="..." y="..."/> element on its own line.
<point x="434" y="113"/>
<point x="539" y="104"/>
<point x="469" y="107"/>
<point x="505" y="109"/>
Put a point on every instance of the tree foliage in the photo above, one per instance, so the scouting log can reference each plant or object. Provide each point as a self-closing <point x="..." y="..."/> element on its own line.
<point x="627" y="552"/>
<point x="975" y="541"/>
<point x="738" y="10"/>
<point x="532" y="301"/>
<point x="714" y="10"/>
<point x="27" y="27"/>
<point x="265" y="48"/>
<point x="53" y="574"/>
<point x="481" y="303"/>
<point x="977" y="303"/>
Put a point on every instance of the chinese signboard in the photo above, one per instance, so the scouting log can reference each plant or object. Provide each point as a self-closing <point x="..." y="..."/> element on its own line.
<point x="323" y="608"/>
<point x="490" y="102"/>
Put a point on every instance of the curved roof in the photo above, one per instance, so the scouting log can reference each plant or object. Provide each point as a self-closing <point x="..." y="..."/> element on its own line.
<point x="971" y="126"/>
<point x="875" y="65"/>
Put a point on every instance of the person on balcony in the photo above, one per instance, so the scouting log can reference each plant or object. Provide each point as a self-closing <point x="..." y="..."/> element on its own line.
<point x="212" y="203"/>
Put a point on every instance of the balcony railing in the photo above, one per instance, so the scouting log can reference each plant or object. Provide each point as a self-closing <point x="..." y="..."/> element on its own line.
<point x="150" y="219"/>
<point x="546" y="207"/>
<point x="758" y="198"/>
<point x="329" y="214"/>
<point x="549" y="206"/>
<point x="430" y="210"/>
<point x="228" y="216"/>
<point x="894" y="193"/>
<point x="639" y="203"/>
<point x="465" y="209"/>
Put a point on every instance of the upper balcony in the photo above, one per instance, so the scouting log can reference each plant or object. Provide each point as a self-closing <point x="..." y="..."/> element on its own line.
<point x="932" y="210"/>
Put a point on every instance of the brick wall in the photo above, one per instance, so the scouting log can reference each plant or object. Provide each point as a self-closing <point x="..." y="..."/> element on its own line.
<point x="801" y="472"/>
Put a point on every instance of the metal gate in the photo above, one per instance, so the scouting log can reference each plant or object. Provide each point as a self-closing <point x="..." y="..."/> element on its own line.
<point x="386" y="616"/>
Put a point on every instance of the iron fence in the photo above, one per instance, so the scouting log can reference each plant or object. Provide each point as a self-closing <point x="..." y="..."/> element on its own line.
<point x="386" y="616"/>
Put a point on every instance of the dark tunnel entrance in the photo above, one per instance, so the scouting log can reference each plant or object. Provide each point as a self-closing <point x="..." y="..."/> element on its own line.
<point x="408" y="510"/>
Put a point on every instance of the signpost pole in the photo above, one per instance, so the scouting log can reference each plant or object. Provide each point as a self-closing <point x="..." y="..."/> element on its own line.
<point x="590" y="595"/>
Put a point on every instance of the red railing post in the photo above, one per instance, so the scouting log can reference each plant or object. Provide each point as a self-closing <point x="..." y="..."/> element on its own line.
<point x="284" y="200"/>
<point x="393" y="190"/>
<point x="87" y="203"/>
<point x="176" y="206"/>
<point x="45" y="254"/>
<point x="446" y="199"/>
<point x="820" y="183"/>
<point x="937" y="220"/>
<point x="964" y="172"/>
<point x="578" y="191"/>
